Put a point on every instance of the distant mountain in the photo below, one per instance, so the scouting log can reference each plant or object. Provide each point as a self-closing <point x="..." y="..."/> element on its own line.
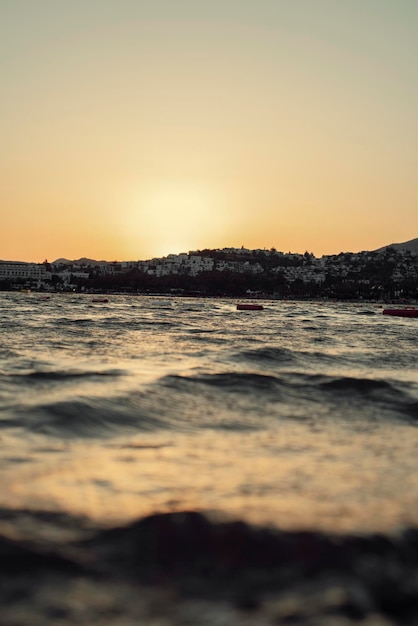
<point x="411" y="245"/>
<point x="82" y="261"/>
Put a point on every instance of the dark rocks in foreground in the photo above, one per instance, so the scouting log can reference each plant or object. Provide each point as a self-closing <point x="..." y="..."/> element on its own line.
<point x="242" y="574"/>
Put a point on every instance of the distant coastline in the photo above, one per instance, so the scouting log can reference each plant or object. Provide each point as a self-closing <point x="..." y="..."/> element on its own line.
<point x="387" y="274"/>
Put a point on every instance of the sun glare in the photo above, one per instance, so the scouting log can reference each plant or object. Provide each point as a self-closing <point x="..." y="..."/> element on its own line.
<point x="175" y="217"/>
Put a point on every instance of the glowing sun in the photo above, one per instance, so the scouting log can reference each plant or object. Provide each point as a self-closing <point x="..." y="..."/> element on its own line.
<point x="177" y="217"/>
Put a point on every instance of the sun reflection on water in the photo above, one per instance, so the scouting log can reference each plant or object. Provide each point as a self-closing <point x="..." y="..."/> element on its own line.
<point x="291" y="478"/>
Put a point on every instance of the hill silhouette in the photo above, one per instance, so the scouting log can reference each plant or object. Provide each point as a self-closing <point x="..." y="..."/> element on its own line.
<point x="82" y="261"/>
<point x="411" y="245"/>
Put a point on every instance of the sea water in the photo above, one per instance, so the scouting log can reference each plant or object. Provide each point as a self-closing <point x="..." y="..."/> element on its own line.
<point x="300" y="416"/>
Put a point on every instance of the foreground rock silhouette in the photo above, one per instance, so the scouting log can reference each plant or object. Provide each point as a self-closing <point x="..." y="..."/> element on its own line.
<point x="185" y="568"/>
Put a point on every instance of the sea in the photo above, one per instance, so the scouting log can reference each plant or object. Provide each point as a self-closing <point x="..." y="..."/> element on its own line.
<point x="298" y="418"/>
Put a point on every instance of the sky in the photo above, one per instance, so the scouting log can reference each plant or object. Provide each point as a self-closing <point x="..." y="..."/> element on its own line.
<point x="133" y="129"/>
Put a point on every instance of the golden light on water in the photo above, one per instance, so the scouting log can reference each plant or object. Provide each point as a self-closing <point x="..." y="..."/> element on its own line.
<point x="292" y="478"/>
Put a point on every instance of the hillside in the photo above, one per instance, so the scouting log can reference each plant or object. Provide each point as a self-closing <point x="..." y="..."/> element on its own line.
<point x="411" y="245"/>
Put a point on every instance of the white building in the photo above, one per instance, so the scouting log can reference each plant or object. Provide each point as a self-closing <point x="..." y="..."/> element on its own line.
<point x="14" y="270"/>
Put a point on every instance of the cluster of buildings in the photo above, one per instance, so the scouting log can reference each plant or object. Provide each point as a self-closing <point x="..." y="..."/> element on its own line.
<point x="393" y="265"/>
<point x="194" y="263"/>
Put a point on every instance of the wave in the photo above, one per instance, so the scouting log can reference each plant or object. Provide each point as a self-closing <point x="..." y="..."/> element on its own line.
<point x="268" y="355"/>
<point x="57" y="375"/>
<point x="360" y="385"/>
<point x="144" y="323"/>
<point x="304" y="360"/>
<point x="271" y="356"/>
<point x="32" y="377"/>
<point x="87" y="417"/>
<point x="296" y="394"/>
<point x="239" y="382"/>
<point x="220" y="400"/>
<point x="71" y="321"/>
<point x="369" y="397"/>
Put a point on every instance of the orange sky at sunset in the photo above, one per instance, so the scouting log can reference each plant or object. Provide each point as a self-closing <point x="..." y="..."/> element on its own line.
<point x="132" y="129"/>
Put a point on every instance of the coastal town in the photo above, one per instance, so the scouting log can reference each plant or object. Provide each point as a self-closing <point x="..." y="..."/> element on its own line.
<point x="390" y="273"/>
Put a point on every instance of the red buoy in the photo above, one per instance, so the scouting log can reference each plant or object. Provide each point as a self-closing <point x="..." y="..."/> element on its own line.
<point x="406" y="312"/>
<point x="250" y="307"/>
